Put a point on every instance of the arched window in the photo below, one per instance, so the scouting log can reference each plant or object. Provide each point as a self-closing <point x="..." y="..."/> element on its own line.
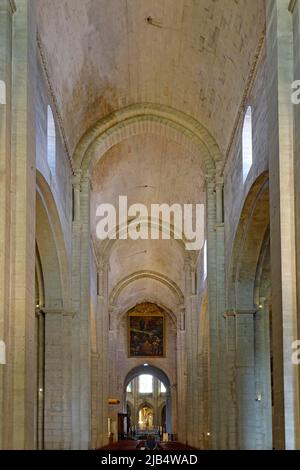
<point x="247" y="143"/>
<point x="205" y="260"/>
<point x="51" y="140"/>
<point x="145" y="384"/>
<point x="2" y="92"/>
<point x="2" y="353"/>
<point x="162" y="388"/>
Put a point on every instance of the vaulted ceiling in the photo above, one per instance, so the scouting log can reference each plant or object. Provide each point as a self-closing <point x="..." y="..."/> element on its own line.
<point x="147" y="169"/>
<point x="192" y="55"/>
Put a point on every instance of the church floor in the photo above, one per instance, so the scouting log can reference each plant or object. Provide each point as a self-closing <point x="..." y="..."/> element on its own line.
<point x="132" y="445"/>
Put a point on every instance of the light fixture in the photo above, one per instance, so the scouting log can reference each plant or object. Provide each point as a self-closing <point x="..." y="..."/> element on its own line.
<point x="41" y="390"/>
<point x="146" y="365"/>
<point x="208" y="434"/>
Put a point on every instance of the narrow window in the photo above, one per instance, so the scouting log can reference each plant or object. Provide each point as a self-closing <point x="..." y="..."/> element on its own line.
<point x="51" y="140"/>
<point x="2" y="92"/>
<point x="146" y="384"/>
<point x="2" y="353"/>
<point x="205" y="261"/>
<point x="247" y="143"/>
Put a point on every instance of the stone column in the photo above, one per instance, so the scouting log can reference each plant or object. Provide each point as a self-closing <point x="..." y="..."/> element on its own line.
<point x="181" y="376"/>
<point x="102" y="335"/>
<point x="189" y="349"/>
<point x="218" y="393"/>
<point x="245" y="380"/>
<point x="295" y="11"/>
<point x="95" y="399"/>
<point x="57" y="380"/>
<point x="231" y="371"/>
<point x="110" y="355"/>
<point x="81" y="402"/>
<point x="6" y="12"/>
<point x="53" y="390"/>
<point x="248" y="374"/>
<point x="245" y="365"/>
<point x="20" y="372"/>
<point x="282" y="217"/>
<point x="40" y="352"/>
<point x="192" y="318"/>
<point x="263" y="377"/>
<point x="202" y="379"/>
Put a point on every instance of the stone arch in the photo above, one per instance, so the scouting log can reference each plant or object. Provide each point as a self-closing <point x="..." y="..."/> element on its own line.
<point x="51" y="246"/>
<point x="170" y="313"/>
<point x="248" y="321"/>
<point x="161" y="375"/>
<point x="159" y="120"/>
<point x="249" y="239"/>
<point x="146" y="118"/>
<point x="146" y="274"/>
<point x="157" y="372"/>
<point x="52" y="283"/>
<point x="108" y="244"/>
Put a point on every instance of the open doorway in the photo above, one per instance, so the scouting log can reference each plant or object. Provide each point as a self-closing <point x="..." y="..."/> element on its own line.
<point x="148" y="397"/>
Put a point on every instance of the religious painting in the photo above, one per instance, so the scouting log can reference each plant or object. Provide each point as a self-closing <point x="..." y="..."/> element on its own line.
<point x="146" y="331"/>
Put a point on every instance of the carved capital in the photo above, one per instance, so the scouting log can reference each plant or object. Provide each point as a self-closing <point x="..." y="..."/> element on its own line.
<point x="76" y="181"/>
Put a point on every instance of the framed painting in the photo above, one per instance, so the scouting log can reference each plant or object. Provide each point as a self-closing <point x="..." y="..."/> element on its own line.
<point x="146" y="334"/>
